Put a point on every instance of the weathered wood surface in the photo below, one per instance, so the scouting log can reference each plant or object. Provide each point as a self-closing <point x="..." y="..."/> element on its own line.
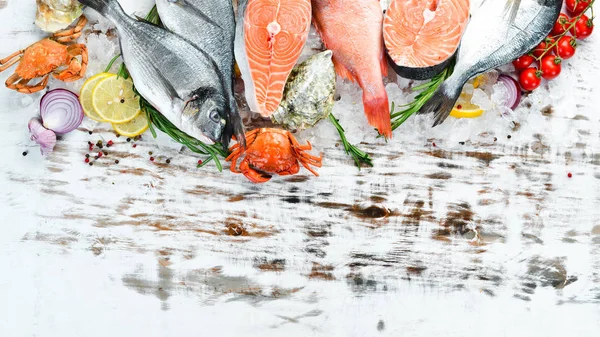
<point x="490" y="240"/>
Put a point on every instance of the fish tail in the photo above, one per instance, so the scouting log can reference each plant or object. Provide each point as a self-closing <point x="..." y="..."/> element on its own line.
<point x="104" y="7"/>
<point x="377" y="109"/>
<point x="442" y="102"/>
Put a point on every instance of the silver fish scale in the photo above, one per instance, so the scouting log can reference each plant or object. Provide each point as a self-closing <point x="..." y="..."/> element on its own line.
<point x="309" y="93"/>
<point x="500" y="31"/>
<point x="165" y="69"/>
<point x="208" y="24"/>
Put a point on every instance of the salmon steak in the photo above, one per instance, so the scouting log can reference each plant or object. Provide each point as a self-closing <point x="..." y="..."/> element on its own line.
<point x="269" y="40"/>
<point x="352" y="30"/>
<point x="422" y="36"/>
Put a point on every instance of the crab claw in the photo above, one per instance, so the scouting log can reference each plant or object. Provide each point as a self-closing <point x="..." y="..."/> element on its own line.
<point x="253" y="175"/>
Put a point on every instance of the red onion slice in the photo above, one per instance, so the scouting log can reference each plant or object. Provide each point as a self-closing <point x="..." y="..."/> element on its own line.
<point x="44" y="137"/>
<point x="513" y="89"/>
<point x="61" y="111"/>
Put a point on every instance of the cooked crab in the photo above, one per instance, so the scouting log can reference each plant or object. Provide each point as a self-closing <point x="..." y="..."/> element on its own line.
<point x="271" y="151"/>
<point x="48" y="56"/>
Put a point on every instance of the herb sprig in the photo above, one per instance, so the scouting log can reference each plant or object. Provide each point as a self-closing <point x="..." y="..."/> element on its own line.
<point x="359" y="156"/>
<point x="427" y="90"/>
<point x="160" y="122"/>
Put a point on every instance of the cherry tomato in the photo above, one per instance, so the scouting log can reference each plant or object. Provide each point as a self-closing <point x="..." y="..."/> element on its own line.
<point x="550" y="66"/>
<point x="561" y="24"/>
<point x="565" y="48"/>
<point x="541" y="48"/>
<point x="583" y="27"/>
<point x="523" y="62"/>
<point x="530" y="79"/>
<point x="576" y="7"/>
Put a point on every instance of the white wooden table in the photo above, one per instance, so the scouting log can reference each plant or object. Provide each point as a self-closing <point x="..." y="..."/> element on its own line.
<point x="452" y="240"/>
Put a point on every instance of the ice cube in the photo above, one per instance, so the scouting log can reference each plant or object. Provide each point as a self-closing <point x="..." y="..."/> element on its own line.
<point x="481" y="99"/>
<point x="487" y="80"/>
<point x="500" y="95"/>
<point x="468" y="88"/>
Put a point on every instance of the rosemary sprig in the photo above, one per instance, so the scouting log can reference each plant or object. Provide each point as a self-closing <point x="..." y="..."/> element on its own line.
<point x="358" y="155"/>
<point x="427" y="90"/>
<point x="158" y="121"/>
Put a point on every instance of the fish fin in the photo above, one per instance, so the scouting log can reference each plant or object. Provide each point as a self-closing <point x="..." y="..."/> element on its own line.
<point x="441" y="103"/>
<point x="100" y="6"/>
<point x="234" y="127"/>
<point x="383" y="64"/>
<point x="343" y="72"/>
<point x="377" y="110"/>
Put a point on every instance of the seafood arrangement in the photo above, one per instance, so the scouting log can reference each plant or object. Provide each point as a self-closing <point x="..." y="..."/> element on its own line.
<point x="182" y="62"/>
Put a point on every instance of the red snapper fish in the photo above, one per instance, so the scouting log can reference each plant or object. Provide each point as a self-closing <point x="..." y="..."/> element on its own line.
<point x="352" y="29"/>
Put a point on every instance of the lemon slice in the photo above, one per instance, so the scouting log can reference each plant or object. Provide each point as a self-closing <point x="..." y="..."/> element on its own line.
<point x="85" y="96"/>
<point x="114" y="99"/>
<point x="465" y="109"/>
<point x="134" y="127"/>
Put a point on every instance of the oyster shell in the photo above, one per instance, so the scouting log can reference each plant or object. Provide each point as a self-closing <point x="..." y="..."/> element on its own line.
<point x="54" y="15"/>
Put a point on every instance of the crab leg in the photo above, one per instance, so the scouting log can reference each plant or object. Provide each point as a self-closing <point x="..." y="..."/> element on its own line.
<point x="237" y="150"/>
<point x="15" y="82"/>
<point x="8" y="62"/>
<point x="69" y="35"/>
<point x="308" y="167"/>
<point x="253" y="175"/>
<point x="76" y="69"/>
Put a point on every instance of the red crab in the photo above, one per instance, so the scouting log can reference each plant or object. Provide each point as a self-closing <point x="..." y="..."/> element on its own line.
<point x="271" y="151"/>
<point x="45" y="57"/>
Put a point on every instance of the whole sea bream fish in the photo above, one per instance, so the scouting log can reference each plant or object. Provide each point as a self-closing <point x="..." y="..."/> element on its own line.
<point x="178" y="79"/>
<point x="499" y="32"/>
<point x="210" y="26"/>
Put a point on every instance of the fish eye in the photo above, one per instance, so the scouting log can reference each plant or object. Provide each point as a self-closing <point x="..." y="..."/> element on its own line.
<point x="214" y="116"/>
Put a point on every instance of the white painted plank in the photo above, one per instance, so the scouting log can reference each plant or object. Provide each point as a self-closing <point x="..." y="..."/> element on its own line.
<point x="457" y="240"/>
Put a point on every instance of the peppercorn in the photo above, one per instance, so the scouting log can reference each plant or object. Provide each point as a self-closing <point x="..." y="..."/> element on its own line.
<point x="128" y="139"/>
<point x="91" y="164"/>
<point x="25" y="153"/>
<point x="434" y="144"/>
<point x="117" y="161"/>
<point x="90" y="132"/>
<point x="168" y="161"/>
<point x="569" y="175"/>
<point x="200" y="162"/>
<point x="151" y="158"/>
<point x="461" y="143"/>
<point x="100" y="154"/>
<point x="96" y="157"/>
<point x="105" y="153"/>
<point x="150" y="153"/>
<point x="87" y="160"/>
<point x="87" y="155"/>
<point x="509" y="136"/>
<point x="134" y="146"/>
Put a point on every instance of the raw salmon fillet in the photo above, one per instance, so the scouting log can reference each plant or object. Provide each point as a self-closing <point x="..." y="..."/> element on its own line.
<point x="274" y="34"/>
<point x="352" y="29"/>
<point x="424" y="33"/>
